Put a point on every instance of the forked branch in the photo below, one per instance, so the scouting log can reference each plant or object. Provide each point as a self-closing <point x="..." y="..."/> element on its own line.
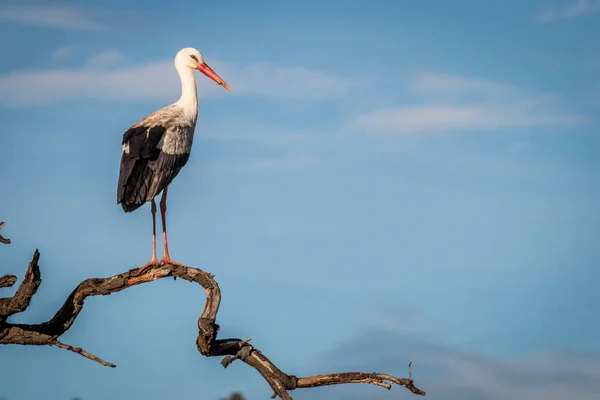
<point x="47" y="333"/>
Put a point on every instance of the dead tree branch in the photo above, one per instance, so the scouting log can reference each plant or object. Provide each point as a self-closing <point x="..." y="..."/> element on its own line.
<point x="3" y="239"/>
<point x="7" y="280"/>
<point x="47" y="333"/>
<point x="20" y="301"/>
<point x="84" y="353"/>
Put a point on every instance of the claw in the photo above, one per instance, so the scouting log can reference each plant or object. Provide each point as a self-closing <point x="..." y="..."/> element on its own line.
<point x="152" y="263"/>
<point x="167" y="260"/>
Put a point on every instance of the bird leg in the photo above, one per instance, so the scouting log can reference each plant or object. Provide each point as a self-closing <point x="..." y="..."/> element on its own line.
<point x="163" y="211"/>
<point x="154" y="260"/>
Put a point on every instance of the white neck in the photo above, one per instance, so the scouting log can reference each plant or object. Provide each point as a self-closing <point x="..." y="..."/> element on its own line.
<point x="189" y="98"/>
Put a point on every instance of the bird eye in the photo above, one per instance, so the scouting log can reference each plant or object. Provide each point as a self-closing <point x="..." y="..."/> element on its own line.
<point x="194" y="57"/>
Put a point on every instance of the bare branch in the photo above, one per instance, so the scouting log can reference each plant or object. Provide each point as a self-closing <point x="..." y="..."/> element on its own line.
<point x="359" y="377"/>
<point x="47" y="333"/>
<point x="3" y="239"/>
<point x="7" y="280"/>
<point x="84" y="353"/>
<point x="20" y="301"/>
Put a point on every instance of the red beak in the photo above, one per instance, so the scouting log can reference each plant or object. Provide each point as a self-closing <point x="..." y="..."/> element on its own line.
<point x="208" y="71"/>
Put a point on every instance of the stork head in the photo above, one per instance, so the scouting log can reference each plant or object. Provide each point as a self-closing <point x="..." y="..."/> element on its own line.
<point x="191" y="58"/>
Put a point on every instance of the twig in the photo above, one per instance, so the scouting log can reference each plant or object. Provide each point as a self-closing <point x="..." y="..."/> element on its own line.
<point x="47" y="333"/>
<point x="7" y="280"/>
<point x="3" y="239"/>
<point x="81" y="351"/>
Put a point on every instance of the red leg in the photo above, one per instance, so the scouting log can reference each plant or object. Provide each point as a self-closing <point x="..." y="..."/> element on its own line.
<point x="163" y="211"/>
<point x="154" y="260"/>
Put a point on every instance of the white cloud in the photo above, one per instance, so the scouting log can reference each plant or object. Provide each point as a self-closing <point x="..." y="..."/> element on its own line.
<point x="456" y="103"/>
<point x="575" y="9"/>
<point x="149" y="82"/>
<point x="443" y="87"/>
<point x="405" y="120"/>
<point x="159" y="81"/>
<point x="52" y="16"/>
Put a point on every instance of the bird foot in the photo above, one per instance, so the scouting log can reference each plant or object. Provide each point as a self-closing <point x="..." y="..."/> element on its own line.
<point x="167" y="260"/>
<point x="152" y="263"/>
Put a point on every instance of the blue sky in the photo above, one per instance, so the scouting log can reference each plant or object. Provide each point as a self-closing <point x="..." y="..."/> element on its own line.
<point x="430" y="166"/>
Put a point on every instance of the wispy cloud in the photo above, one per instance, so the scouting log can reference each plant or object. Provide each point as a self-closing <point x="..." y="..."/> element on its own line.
<point x="574" y="9"/>
<point x="63" y="53"/>
<point x="451" y="373"/>
<point x="158" y="81"/>
<point x="106" y="59"/>
<point x="457" y="103"/>
<point x="72" y="18"/>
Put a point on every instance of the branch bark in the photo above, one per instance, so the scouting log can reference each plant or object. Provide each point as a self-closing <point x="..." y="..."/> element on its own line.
<point x="20" y="301"/>
<point x="47" y="333"/>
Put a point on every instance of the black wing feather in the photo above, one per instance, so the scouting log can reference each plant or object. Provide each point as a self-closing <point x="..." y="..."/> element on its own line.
<point x="138" y="167"/>
<point x="165" y="169"/>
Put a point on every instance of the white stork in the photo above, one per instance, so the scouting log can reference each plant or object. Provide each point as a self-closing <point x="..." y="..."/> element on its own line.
<point x="157" y="147"/>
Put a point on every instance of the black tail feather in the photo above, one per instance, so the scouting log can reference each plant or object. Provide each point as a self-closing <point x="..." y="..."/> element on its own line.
<point x="129" y="207"/>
